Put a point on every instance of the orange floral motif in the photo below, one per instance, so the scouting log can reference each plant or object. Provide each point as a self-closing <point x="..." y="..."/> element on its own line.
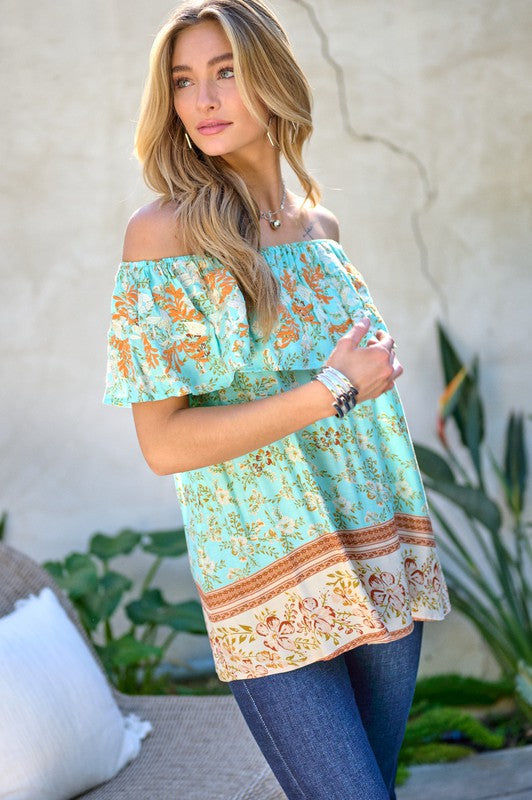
<point x="317" y="618"/>
<point x="288" y="331"/>
<point x="436" y="577"/>
<point x="125" y="365"/>
<point x="413" y="574"/>
<point x="220" y="283"/>
<point x="328" y="437"/>
<point x="257" y="461"/>
<point x="386" y="592"/>
<point x="254" y="670"/>
<point x="276" y="633"/>
<point x="305" y="312"/>
<point x="172" y="359"/>
<point x="195" y="348"/>
<point x="126" y="305"/>
<point x="356" y="277"/>
<point x="173" y="300"/>
<point x="288" y="282"/>
<point x="152" y="358"/>
<point x="314" y="276"/>
<point x="340" y="329"/>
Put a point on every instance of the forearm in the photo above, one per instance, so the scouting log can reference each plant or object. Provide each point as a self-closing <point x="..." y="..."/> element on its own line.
<point x="191" y="438"/>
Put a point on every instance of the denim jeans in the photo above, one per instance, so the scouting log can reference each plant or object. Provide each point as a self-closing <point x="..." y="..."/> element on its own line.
<point x="332" y="730"/>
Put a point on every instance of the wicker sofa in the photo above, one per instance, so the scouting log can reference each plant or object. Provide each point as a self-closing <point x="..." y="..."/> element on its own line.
<point x="199" y="748"/>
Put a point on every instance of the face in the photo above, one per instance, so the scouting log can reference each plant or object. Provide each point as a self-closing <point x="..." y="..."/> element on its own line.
<point x="206" y="97"/>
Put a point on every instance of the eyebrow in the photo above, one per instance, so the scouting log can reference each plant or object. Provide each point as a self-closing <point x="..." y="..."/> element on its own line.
<point x="210" y="63"/>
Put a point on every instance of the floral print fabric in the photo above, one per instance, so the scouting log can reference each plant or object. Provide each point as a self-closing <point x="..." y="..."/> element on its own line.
<point x="320" y="541"/>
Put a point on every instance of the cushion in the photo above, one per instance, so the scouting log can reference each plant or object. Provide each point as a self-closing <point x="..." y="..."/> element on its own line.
<point x="61" y="731"/>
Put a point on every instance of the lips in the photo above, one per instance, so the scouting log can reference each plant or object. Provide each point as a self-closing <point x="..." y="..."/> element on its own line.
<point x="212" y="126"/>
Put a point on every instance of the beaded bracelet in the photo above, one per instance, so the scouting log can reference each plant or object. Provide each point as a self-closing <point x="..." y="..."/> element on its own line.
<point x="343" y="391"/>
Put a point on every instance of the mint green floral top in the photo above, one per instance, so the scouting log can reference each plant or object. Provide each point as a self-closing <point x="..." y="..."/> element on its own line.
<point x="321" y="541"/>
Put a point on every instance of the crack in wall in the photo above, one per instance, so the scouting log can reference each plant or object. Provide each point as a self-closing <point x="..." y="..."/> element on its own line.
<point x="429" y="191"/>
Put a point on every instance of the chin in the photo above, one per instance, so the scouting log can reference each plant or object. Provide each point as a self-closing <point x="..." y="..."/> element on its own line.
<point x="217" y="151"/>
<point x="222" y="149"/>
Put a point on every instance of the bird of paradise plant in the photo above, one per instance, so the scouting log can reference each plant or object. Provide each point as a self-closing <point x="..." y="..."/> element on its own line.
<point x="488" y="559"/>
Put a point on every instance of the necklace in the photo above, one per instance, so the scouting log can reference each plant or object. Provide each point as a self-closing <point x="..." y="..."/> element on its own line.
<point x="271" y="216"/>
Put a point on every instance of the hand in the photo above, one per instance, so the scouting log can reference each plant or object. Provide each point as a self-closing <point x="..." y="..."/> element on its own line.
<point x="372" y="370"/>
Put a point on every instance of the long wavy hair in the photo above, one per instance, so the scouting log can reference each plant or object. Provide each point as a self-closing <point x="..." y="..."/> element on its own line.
<point x="216" y="214"/>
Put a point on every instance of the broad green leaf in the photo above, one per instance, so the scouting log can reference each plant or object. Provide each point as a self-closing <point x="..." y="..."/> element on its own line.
<point x="432" y="464"/>
<point x="515" y="463"/>
<point x="473" y="501"/>
<point x="187" y="617"/>
<point x="451" y="363"/>
<point x="55" y="568"/>
<point x="452" y="366"/>
<point x="79" y="575"/>
<point x="127" y="651"/>
<point x="168" y="544"/>
<point x="107" y="547"/>
<point x="474" y="428"/>
<point x="451" y="394"/>
<point x="102" y="603"/>
<point x="153" y="609"/>
<point x="148" y="609"/>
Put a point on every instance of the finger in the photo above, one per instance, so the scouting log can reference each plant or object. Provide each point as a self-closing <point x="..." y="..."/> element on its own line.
<point x="397" y="369"/>
<point x="385" y="339"/>
<point x="358" y="331"/>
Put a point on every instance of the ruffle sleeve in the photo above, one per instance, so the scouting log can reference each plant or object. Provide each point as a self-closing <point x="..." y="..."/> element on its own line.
<point x="178" y="326"/>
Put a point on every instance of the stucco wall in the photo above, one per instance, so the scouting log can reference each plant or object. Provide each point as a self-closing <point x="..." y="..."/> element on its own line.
<point x="422" y="147"/>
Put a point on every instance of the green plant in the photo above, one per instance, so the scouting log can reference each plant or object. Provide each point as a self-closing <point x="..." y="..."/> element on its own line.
<point x="98" y="592"/>
<point x="489" y="556"/>
<point x="460" y="690"/>
<point x="442" y="727"/>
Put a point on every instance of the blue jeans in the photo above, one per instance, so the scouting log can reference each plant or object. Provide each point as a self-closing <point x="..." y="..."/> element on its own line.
<point x="332" y="730"/>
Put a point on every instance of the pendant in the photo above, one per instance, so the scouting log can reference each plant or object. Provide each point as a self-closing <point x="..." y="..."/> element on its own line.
<point x="274" y="224"/>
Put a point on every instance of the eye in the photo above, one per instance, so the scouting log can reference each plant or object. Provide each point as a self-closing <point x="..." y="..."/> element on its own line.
<point x="181" y="83"/>
<point x="227" y="72"/>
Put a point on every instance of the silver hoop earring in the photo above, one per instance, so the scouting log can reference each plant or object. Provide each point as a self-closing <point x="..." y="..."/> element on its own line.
<point x="189" y="143"/>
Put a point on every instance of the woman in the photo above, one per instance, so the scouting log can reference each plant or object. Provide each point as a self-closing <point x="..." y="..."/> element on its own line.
<point x="262" y="376"/>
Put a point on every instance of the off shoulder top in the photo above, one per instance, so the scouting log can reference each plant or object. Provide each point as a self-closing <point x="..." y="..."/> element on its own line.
<point x="320" y="541"/>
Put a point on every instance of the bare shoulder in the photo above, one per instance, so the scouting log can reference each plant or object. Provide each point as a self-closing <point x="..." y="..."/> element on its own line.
<point x="152" y="233"/>
<point x="319" y="222"/>
<point x="328" y="223"/>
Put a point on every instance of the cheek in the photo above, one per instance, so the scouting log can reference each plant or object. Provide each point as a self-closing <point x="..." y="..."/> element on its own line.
<point x="178" y="105"/>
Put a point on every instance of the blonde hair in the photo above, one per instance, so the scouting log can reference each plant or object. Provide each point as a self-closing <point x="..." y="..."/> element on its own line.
<point x="216" y="213"/>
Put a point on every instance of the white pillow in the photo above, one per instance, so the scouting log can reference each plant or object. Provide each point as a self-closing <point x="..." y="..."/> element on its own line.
<point x="61" y="731"/>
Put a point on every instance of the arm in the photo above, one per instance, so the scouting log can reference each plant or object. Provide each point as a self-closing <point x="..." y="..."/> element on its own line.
<point x="175" y="438"/>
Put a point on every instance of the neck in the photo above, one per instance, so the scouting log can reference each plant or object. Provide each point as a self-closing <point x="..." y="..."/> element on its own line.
<point x="262" y="176"/>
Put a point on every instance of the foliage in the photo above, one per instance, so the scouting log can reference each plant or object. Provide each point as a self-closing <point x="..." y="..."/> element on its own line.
<point x="460" y="690"/>
<point x="98" y="593"/>
<point x="435" y="722"/>
<point x="489" y="582"/>
<point x="441" y="726"/>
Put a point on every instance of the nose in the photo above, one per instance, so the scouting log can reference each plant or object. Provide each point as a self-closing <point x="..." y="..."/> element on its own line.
<point x="207" y="96"/>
